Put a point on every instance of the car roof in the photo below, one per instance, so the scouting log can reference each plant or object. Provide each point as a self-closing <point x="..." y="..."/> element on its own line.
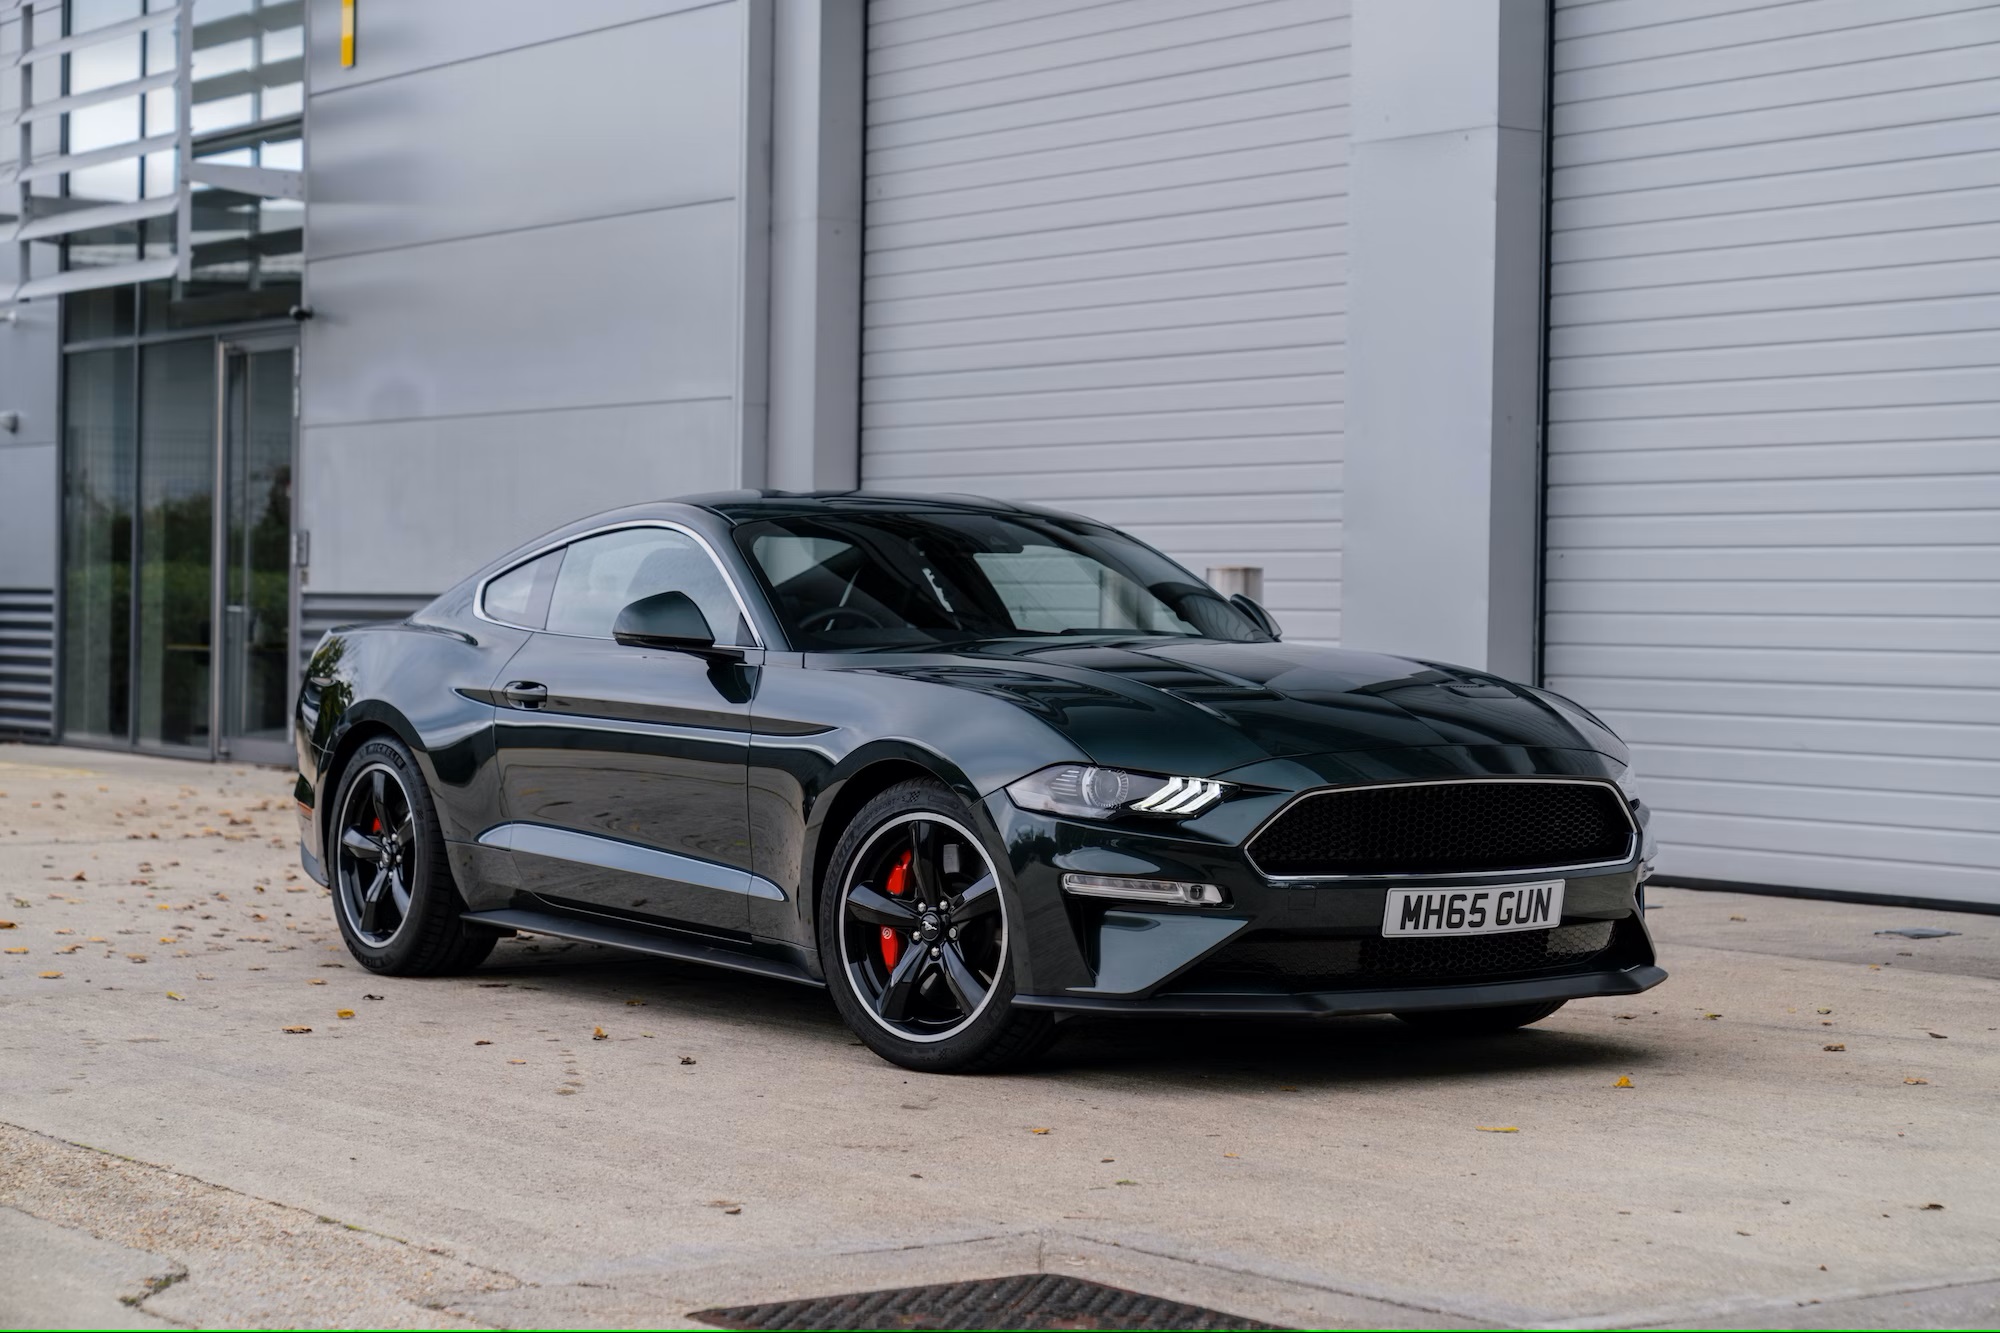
<point x="748" y="506"/>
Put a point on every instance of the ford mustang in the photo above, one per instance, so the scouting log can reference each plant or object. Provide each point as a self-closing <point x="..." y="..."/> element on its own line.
<point x="970" y="766"/>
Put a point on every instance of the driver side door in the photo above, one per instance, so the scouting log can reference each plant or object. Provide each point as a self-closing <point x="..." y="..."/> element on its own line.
<point x="623" y="769"/>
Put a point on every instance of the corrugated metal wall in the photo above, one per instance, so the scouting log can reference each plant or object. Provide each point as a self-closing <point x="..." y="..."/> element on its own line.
<point x="1105" y="270"/>
<point x="1774" y="445"/>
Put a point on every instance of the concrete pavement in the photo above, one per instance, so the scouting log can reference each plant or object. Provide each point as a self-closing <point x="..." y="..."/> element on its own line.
<point x="466" y="1152"/>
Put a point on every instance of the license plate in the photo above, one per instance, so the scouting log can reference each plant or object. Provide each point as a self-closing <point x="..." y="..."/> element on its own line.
<point x="1474" y="911"/>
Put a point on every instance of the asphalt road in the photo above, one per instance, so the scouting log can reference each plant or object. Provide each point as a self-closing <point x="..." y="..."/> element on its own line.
<point x="1807" y="1139"/>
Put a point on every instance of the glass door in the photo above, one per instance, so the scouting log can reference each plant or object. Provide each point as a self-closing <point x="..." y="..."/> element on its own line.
<point x="253" y="594"/>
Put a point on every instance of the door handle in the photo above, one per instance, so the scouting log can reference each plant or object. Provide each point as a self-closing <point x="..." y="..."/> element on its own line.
<point x="526" y="694"/>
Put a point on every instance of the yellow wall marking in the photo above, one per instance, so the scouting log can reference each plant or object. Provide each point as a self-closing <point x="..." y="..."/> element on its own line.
<point x="347" y="34"/>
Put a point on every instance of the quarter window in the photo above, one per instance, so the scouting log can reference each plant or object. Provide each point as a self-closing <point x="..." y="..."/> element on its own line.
<point x="521" y="595"/>
<point x="601" y="576"/>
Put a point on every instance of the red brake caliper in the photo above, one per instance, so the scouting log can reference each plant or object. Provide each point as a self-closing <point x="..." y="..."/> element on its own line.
<point x="899" y="884"/>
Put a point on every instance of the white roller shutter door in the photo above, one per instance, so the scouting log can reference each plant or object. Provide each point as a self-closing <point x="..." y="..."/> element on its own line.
<point x="1106" y="270"/>
<point x="1774" y="441"/>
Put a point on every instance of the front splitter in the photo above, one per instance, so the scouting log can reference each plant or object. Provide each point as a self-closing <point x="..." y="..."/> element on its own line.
<point x="1328" y="1004"/>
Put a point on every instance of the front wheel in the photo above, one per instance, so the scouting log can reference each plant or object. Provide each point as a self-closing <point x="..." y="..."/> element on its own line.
<point x="914" y="936"/>
<point x="1479" y="1022"/>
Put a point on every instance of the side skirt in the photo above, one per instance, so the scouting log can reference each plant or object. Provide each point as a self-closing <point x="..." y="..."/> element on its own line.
<point x="637" y="938"/>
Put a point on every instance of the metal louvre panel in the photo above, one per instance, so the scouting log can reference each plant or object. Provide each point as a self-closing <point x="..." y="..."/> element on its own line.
<point x="1774" y="430"/>
<point x="27" y="662"/>
<point x="1106" y="271"/>
<point x="321" y="611"/>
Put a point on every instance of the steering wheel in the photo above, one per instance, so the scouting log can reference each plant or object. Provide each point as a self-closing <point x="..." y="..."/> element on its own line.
<point x="820" y="622"/>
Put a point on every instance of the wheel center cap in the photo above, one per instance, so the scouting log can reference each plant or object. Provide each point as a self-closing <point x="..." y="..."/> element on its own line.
<point x="930" y="926"/>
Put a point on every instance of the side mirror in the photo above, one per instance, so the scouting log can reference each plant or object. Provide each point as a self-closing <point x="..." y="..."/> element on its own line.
<point x="667" y="620"/>
<point x="1258" y="615"/>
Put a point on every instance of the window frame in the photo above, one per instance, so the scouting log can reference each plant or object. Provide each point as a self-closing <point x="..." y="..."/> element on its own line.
<point x="708" y="548"/>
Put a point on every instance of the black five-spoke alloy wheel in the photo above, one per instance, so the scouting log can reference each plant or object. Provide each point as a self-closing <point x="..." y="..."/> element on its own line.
<point x="372" y="860"/>
<point x="393" y="894"/>
<point x="918" y="952"/>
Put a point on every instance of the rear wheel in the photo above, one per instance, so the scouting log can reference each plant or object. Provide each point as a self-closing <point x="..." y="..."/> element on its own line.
<point x="1479" y="1022"/>
<point x="393" y="894"/>
<point x="914" y="936"/>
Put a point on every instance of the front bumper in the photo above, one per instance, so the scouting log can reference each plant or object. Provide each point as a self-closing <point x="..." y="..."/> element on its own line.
<point x="1089" y="955"/>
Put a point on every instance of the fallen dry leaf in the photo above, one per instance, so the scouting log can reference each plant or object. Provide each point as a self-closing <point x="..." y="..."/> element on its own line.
<point x="172" y="995"/>
<point x="1916" y="1080"/>
<point x="1624" y="1081"/>
<point x="482" y="1042"/>
<point x="1933" y="1207"/>
<point x="1834" y="1046"/>
<point x="298" y="1028"/>
<point x="517" y="1062"/>
<point x="1824" y="1011"/>
<point x="315" y="981"/>
<point x="1940" y="1036"/>
<point x="1038" y="1131"/>
<point x="634" y="1002"/>
<point x="1229" y="1154"/>
<point x="731" y="1212"/>
<point x="6" y="925"/>
<point x="343" y="1013"/>
<point x="21" y="949"/>
<point x="1739" y="918"/>
<point x="687" y="1059"/>
<point x="48" y="976"/>
<point x="1711" y="1015"/>
<point x="1498" y="1129"/>
<point x="599" y="1034"/>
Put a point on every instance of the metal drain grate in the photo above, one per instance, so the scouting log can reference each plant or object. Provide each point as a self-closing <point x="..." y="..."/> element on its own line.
<point x="1033" y="1300"/>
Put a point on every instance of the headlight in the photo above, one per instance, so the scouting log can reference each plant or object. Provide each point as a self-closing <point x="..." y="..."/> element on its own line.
<point x="1085" y="791"/>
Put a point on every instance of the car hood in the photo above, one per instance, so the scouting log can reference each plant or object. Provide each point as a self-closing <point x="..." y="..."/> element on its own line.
<point x="1204" y="706"/>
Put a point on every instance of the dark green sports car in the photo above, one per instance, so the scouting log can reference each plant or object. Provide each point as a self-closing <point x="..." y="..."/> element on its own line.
<point x="971" y="766"/>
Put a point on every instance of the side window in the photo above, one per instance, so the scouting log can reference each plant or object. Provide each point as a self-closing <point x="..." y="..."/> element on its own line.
<point x="521" y="595"/>
<point x="601" y="576"/>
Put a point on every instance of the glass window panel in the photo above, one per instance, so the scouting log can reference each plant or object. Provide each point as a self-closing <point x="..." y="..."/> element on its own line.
<point x="283" y="154"/>
<point x="257" y="578"/>
<point x="287" y="99"/>
<point x="102" y="64"/>
<point x="106" y="183"/>
<point x="90" y="15"/>
<point x="521" y="595"/>
<point x="604" y="575"/>
<point x="176" y="541"/>
<point x="105" y="313"/>
<point x="98" y="483"/>
<point x="223" y="113"/>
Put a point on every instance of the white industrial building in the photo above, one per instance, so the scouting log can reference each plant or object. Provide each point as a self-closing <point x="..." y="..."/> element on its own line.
<point x="1646" y="348"/>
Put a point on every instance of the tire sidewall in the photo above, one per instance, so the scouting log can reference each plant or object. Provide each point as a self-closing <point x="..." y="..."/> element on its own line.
<point x="963" y="1048"/>
<point x="429" y="892"/>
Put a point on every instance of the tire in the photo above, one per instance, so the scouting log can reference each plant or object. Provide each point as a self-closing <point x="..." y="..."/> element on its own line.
<point x="940" y="998"/>
<point x="1480" y="1022"/>
<point x="394" y="897"/>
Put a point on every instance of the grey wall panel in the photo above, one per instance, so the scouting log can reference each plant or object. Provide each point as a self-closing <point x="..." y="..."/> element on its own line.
<point x="1105" y="270"/>
<point x="30" y="500"/>
<point x="394" y="39"/>
<point x="618" y="310"/>
<point x="414" y="506"/>
<point x="1774" y="445"/>
<point x="624" y="120"/>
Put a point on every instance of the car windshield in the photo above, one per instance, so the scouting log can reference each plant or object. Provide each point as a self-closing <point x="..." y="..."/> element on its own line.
<point x="887" y="580"/>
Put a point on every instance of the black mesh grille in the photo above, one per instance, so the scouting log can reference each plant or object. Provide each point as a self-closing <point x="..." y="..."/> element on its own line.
<point x="1445" y="828"/>
<point x="1292" y="964"/>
